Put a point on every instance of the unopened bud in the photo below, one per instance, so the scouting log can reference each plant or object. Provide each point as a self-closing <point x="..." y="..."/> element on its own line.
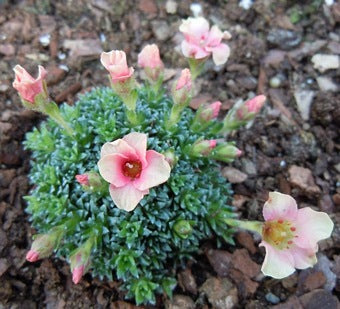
<point x="44" y="244"/>
<point x="170" y="157"/>
<point x="209" y="112"/>
<point x="203" y="148"/>
<point x="183" y="228"/>
<point x="181" y="91"/>
<point x="80" y="260"/>
<point x="90" y="181"/>
<point x="250" y="109"/>
<point x="226" y="152"/>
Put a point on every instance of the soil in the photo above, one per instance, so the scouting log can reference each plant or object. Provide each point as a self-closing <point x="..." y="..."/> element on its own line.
<point x="290" y="149"/>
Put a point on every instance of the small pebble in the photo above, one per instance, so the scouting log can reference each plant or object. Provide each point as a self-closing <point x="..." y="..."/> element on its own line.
<point x="275" y="82"/>
<point x="45" y="39"/>
<point x="283" y="163"/>
<point x="196" y="9"/>
<point x="171" y="7"/>
<point x="64" y="67"/>
<point x="61" y="56"/>
<point x="273" y="299"/>
<point x="102" y="37"/>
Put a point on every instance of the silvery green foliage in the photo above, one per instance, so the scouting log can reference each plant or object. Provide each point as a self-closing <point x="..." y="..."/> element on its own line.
<point x="142" y="247"/>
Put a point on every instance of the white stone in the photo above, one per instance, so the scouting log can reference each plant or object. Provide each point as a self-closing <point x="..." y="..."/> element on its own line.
<point x="196" y="9"/>
<point x="246" y="4"/>
<point x="171" y="7"/>
<point x="304" y="99"/>
<point x="324" y="62"/>
<point x="326" y="84"/>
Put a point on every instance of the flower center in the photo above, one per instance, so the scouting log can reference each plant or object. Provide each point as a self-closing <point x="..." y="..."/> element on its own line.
<point x="278" y="233"/>
<point x="132" y="169"/>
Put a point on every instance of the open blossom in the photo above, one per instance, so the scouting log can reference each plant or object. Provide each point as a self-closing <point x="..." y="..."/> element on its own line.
<point x="27" y="86"/>
<point x="131" y="170"/>
<point x="290" y="235"/>
<point x="200" y="41"/>
<point x="115" y="62"/>
<point x="150" y="60"/>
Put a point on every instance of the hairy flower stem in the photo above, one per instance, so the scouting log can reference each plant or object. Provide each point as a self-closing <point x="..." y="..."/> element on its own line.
<point x="254" y="226"/>
<point x="51" y="109"/>
<point x="174" y="117"/>
<point x="196" y="67"/>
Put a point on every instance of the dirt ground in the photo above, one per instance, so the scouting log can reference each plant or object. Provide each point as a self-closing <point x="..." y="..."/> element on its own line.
<point x="278" y="49"/>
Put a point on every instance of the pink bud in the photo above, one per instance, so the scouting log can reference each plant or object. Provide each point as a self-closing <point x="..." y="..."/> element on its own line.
<point x="184" y="80"/>
<point x="83" y="179"/>
<point x="238" y="153"/>
<point x="255" y="104"/>
<point x="115" y="62"/>
<point x="210" y="112"/>
<point x="203" y="147"/>
<point x="149" y="57"/>
<point x="77" y="274"/>
<point x="249" y="109"/>
<point x="32" y="256"/>
<point x="212" y="143"/>
<point x="26" y="85"/>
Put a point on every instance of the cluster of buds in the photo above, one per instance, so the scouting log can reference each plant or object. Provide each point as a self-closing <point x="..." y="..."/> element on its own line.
<point x="225" y="152"/>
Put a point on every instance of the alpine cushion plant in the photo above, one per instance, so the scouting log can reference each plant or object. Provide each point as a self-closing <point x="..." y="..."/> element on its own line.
<point x="134" y="186"/>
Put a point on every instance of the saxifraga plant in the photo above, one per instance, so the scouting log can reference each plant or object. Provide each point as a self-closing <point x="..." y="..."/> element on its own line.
<point x="104" y="202"/>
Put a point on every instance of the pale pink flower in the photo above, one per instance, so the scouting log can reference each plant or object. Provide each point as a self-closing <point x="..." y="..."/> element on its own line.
<point x="290" y="235"/>
<point x="26" y="85"/>
<point x="115" y="62"/>
<point x="249" y="109"/>
<point x="131" y="170"/>
<point x="200" y="42"/>
<point x="149" y="57"/>
<point x="83" y="179"/>
<point x="184" y="81"/>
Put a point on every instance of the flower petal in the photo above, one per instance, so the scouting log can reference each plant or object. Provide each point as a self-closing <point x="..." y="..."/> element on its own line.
<point x="280" y="206"/>
<point x="126" y="197"/>
<point x="311" y="227"/>
<point x="277" y="263"/>
<point x="303" y="258"/>
<point x="156" y="172"/>
<point x="110" y="168"/>
<point x="193" y="51"/>
<point x="215" y="36"/>
<point x="138" y="142"/>
<point x="194" y="27"/>
<point x="220" y="53"/>
<point x="119" y="146"/>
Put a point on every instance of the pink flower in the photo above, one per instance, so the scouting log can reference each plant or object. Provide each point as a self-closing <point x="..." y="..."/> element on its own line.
<point x="115" y="63"/>
<point x="27" y="86"/>
<point x="83" y="179"/>
<point x="184" y="80"/>
<point x="200" y="42"/>
<point x="249" y="109"/>
<point x="290" y="235"/>
<point x="131" y="170"/>
<point x="149" y="57"/>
